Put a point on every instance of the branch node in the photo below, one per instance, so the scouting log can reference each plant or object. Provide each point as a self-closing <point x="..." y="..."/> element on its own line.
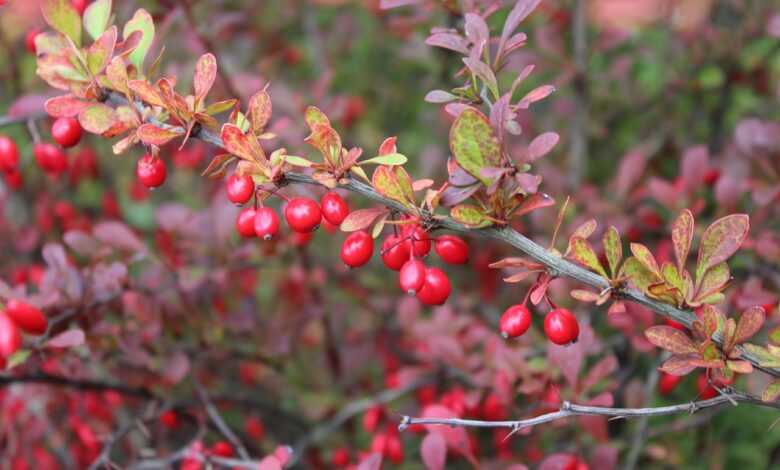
<point x="566" y="406"/>
<point x="405" y="422"/>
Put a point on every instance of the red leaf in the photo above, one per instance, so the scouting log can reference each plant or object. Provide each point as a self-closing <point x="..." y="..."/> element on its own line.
<point x="721" y="240"/>
<point x="67" y="339"/>
<point x="434" y="451"/>
<point x="361" y="218"/>
<point x="670" y="339"/>
<point x="372" y="462"/>
<point x="749" y="323"/>
<point x="541" y="145"/>
<point x="205" y="74"/>
<point x="65" y="106"/>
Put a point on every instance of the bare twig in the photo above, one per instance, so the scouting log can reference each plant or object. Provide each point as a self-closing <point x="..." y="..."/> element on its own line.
<point x="216" y="418"/>
<point x="569" y="409"/>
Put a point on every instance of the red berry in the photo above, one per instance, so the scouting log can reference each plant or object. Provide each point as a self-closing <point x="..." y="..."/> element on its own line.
<point x="412" y="276"/>
<point x="9" y="153"/>
<point x="150" y="171"/>
<point x="222" y="449"/>
<point x="254" y="428"/>
<point x="357" y="249"/>
<point x="389" y="445"/>
<point x="28" y="318"/>
<point x="29" y="40"/>
<point x="334" y="208"/>
<point x="302" y="239"/>
<point x="493" y="409"/>
<point x="80" y="5"/>
<point x="245" y="223"/>
<point x="10" y="337"/>
<point x="50" y="158"/>
<point x="266" y="223"/>
<point x="169" y="419"/>
<point x="66" y="131"/>
<point x="303" y="214"/>
<point x="372" y="417"/>
<point x="452" y="249"/>
<point x="395" y="252"/>
<point x="515" y="321"/>
<point x="340" y="457"/>
<point x="668" y="382"/>
<point x="436" y="289"/>
<point x="13" y="178"/>
<point x="240" y="188"/>
<point x="420" y="240"/>
<point x="706" y="390"/>
<point x="561" y="327"/>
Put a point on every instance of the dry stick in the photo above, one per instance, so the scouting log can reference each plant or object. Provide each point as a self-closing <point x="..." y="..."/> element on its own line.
<point x="216" y="418"/>
<point x="556" y="265"/>
<point x="571" y="409"/>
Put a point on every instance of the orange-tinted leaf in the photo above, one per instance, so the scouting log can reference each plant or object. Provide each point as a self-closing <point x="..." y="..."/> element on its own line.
<point x="101" y="51"/>
<point x="474" y="143"/>
<point x="325" y="139"/>
<point x="361" y="218"/>
<point x="749" y="323"/>
<point x="721" y="240"/>
<point x="65" y="106"/>
<point x="153" y="135"/>
<point x="470" y="216"/>
<point x="116" y="72"/>
<point x="260" y="109"/>
<point x="532" y="203"/>
<point x="205" y="74"/>
<point x="643" y="255"/>
<point x="240" y="145"/>
<point x="515" y="262"/>
<point x="740" y="367"/>
<point x="313" y="116"/>
<point x="388" y="146"/>
<point x="218" y="165"/>
<point x="97" y="118"/>
<point x="613" y="249"/>
<point x="682" y="235"/>
<point x="583" y="253"/>
<point x="679" y="364"/>
<point x="146" y="92"/>
<point x="714" y="321"/>
<point x="393" y="182"/>
<point x="670" y="339"/>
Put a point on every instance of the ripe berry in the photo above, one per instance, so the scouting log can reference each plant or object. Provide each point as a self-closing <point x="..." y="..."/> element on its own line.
<point x="452" y="249"/>
<point x="245" y="223"/>
<point x="412" y="276"/>
<point x="561" y="327"/>
<point x="668" y="382"/>
<point x="10" y="337"/>
<point x="28" y="318"/>
<point x="334" y="208"/>
<point x="303" y="214"/>
<point x="50" y="158"/>
<point x="150" y="171"/>
<point x="340" y="457"/>
<point x="493" y="409"/>
<point x="170" y="419"/>
<point x="13" y="178"/>
<point x="222" y="449"/>
<point x="239" y="188"/>
<point x="515" y="321"/>
<point x="9" y="153"/>
<point x="266" y="223"/>
<point x="436" y="289"/>
<point x="254" y="428"/>
<point x="389" y="445"/>
<point x="29" y="40"/>
<point x="420" y="240"/>
<point x="706" y="390"/>
<point x="395" y="252"/>
<point x="66" y="131"/>
<point x="372" y="417"/>
<point x="357" y="249"/>
<point x="300" y="239"/>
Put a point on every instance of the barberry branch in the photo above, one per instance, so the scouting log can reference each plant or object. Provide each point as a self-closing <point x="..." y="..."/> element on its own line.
<point x="570" y="409"/>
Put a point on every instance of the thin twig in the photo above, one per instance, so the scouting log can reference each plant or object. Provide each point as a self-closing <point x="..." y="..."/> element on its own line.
<point x="216" y="418"/>
<point x="569" y="409"/>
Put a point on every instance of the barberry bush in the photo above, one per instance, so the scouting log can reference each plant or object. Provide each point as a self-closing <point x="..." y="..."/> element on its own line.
<point x="493" y="234"/>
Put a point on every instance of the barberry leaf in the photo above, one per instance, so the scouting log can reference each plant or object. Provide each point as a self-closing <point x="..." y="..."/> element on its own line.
<point x="260" y="109"/>
<point x="387" y="159"/>
<point x="153" y="135"/>
<point x="613" y="249"/>
<point x="394" y="183"/>
<point x="240" y="145"/>
<point x="63" y="17"/>
<point x="470" y="216"/>
<point x="205" y="75"/>
<point x="142" y="21"/>
<point x="636" y="273"/>
<point x="670" y="339"/>
<point x="772" y="391"/>
<point x="434" y="451"/>
<point x="65" y="106"/>
<point x="774" y="336"/>
<point x="101" y="51"/>
<point x="474" y="143"/>
<point x="721" y="240"/>
<point x="644" y="256"/>
<point x="541" y="146"/>
<point x="740" y="367"/>
<point x="218" y="165"/>
<point x="749" y="323"/>
<point x="96" y="17"/>
<point x="679" y="364"/>
<point x="361" y="218"/>
<point x="714" y="281"/>
<point x="325" y="139"/>
<point x="682" y="236"/>
<point x="97" y="118"/>
<point x="583" y="253"/>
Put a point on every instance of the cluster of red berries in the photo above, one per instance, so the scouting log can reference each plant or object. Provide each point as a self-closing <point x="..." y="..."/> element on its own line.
<point x="18" y="317"/>
<point x="560" y="325"/>
<point x="9" y="161"/>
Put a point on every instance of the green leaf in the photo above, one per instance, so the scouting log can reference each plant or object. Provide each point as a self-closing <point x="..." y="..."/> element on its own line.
<point x="637" y="274"/>
<point x="772" y="391"/>
<point x="644" y="256"/>
<point x="474" y="144"/>
<point x="470" y="216"/>
<point x="97" y="118"/>
<point x="714" y="281"/>
<point x="63" y="17"/>
<point x="142" y="21"/>
<point x="765" y="357"/>
<point x="721" y="240"/>
<point x="682" y="235"/>
<point x="313" y="116"/>
<point x="18" y="358"/>
<point x="613" y="249"/>
<point x="389" y="159"/>
<point x="583" y="253"/>
<point x="774" y="336"/>
<point x="297" y="161"/>
<point x="672" y="277"/>
<point x="96" y="17"/>
<point x="220" y="106"/>
<point x="393" y="182"/>
<point x="670" y="339"/>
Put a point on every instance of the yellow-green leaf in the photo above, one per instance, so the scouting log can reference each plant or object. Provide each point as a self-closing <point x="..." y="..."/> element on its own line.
<point x="470" y="216"/>
<point x="389" y="159"/>
<point x="474" y="144"/>
<point x="297" y="161"/>
<point x="583" y="253"/>
<point x="96" y="17"/>
<point x="393" y="182"/>
<point x="62" y="16"/>
<point x="613" y="249"/>
<point x="97" y="118"/>
<point x="142" y="21"/>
